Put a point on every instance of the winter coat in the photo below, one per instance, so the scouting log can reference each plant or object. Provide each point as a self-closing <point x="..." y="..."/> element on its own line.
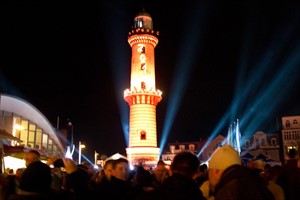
<point x="238" y="183"/>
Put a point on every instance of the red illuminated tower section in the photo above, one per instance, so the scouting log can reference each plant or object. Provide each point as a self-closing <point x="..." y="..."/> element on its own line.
<point x="142" y="97"/>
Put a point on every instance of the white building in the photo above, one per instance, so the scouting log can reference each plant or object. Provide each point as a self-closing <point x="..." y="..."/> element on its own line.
<point x="24" y="127"/>
<point x="290" y="133"/>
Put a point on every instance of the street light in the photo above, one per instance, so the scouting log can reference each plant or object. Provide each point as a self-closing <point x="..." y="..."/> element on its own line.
<point x="96" y="156"/>
<point x="81" y="146"/>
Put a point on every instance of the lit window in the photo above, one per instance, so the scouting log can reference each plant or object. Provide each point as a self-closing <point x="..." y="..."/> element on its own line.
<point x="191" y="147"/>
<point x="143" y="85"/>
<point x="274" y="141"/>
<point x="143" y="135"/>
<point x="182" y="147"/>
<point x="138" y="23"/>
<point x="287" y="123"/>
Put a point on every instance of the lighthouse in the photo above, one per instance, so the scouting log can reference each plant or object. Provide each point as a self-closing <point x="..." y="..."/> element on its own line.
<point x="142" y="96"/>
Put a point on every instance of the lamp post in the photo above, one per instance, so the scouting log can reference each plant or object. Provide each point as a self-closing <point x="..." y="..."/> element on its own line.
<point x="96" y="156"/>
<point x="81" y="146"/>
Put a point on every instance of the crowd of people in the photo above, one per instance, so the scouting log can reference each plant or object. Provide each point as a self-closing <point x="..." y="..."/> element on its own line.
<point x="224" y="177"/>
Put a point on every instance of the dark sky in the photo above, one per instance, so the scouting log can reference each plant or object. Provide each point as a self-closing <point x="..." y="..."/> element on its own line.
<point x="214" y="59"/>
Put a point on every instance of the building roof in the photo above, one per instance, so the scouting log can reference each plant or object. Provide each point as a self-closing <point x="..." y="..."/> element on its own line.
<point x="25" y="109"/>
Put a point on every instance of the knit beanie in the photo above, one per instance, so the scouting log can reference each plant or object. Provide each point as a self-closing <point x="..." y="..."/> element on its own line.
<point x="224" y="157"/>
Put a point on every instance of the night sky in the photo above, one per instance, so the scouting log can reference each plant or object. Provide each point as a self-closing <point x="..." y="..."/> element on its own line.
<point x="216" y="61"/>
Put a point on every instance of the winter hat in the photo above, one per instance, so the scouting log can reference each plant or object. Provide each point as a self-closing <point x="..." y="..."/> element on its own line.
<point x="36" y="178"/>
<point x="224" y="157"/>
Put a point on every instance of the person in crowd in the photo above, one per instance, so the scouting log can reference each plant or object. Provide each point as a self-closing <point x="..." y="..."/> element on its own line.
<point x="251" y="164"/>
<point x="56" y="172"/>
<point x="203" y="182"/>
<point x="228" y="179"/>
<point x="160" y="173"/>
<point x="257" y="169"/>
<point x="2" y="183"/>
<point x="289" y="176"/>
<point x="206" y="190"/>
<point x="120" y="169"/>
<point x="108" y="169"/>
<point x="35" y="182"/>
<point x="32" y="156"/>
<point x="102" y="181"/>
<point x="77" y="181"/>
<point x="89" y="168"/>
<point x="18" y="175"/>
<point x="119" y="186"/>
<point x="260" y="165"/>
<point x="270" y="175"/>
<point x="202" y="174"/>
<point x="142" y="181"/>
<point x="181" y="183"/>
<point x="10" y="184"/>
<point x="96" y="179"/>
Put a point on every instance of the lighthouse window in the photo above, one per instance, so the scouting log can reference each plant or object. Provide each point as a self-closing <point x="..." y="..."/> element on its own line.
<point x="138" y="23"/>
<point x="143" y="135"/>
<point x="143" y="49"/>
<point x="143" y="65"/>
<point x="143" y="85"/>
<point x="273" y="141"/>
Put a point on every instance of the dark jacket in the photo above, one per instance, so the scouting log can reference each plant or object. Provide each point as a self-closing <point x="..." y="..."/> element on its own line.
<point x="175" y="187"/>
<point x="36" y="178"/>
<point x="289" y="179"/>
<point x="77" y="185"/>
<point x="116" y="189"/>
<point x="238" y="183"/>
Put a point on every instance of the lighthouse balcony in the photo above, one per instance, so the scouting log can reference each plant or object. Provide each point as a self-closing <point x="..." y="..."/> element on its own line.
<point x="143" y="31"/>
<point x="129" y="92"/>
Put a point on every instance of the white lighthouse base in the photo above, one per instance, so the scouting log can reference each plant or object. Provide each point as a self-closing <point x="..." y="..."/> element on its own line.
<point x="146" y="156"/>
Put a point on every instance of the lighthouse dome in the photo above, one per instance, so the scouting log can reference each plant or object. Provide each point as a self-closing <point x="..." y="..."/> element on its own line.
<point x="143" y="20"/>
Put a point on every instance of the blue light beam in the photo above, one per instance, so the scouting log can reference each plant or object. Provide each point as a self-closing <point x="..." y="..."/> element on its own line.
<point x="183" y="68"/>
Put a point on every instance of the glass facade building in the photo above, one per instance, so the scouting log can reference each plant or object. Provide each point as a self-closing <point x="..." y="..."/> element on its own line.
<point x="29" y="127"/>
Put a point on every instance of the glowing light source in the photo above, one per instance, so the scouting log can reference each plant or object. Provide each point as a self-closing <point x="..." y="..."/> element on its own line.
<point x="96" y="156"/>
<point x="80" y="146"/>
<point x="14" y="163"/>
<point x="19" y="127"/>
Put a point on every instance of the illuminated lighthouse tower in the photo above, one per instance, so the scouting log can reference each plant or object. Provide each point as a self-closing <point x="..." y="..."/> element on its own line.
<point x="142" y="97"/>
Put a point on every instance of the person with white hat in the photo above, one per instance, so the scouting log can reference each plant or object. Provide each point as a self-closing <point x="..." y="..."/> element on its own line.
<point x="228" y="179"/>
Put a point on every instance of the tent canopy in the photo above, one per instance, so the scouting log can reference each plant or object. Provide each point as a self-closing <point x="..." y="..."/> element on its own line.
<point x="5" y="135"/>
<point x="115" y="157"/>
